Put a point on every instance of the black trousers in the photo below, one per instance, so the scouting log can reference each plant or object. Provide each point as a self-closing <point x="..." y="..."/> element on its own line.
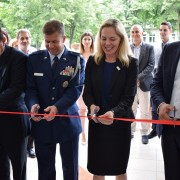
<point x="30" y="142"/>
<point x="171" y="151"/>
<point x="13" y="149"/>
<point x="154" y="116"/>
<point x="46" y="152"/>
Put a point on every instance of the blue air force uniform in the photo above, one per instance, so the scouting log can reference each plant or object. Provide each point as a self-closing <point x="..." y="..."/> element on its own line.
<point x="62" y="89"/>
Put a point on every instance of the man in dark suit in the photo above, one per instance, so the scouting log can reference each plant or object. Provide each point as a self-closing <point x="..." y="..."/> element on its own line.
<point x="55" y="79"/>
<point x="14" y="128"/>
<point x="145" y="54"/>
<point x="165" y="31"/>
<point x="166" y="99"/>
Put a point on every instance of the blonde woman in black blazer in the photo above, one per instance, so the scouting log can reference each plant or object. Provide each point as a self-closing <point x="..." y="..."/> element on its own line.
<point x="110" y="87"/>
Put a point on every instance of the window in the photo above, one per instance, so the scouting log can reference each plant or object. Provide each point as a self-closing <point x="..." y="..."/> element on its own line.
<point x="144" y="38"/>
<point x="152" y="38"/>
<point x="173" y="36"/>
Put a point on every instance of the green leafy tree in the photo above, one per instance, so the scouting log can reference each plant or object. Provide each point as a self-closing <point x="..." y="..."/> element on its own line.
<point x="84" y="15"/>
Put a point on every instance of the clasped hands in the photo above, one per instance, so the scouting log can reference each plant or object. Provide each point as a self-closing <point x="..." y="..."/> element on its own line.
<point x="106" y="119"/>
<point x="49" y="112"/>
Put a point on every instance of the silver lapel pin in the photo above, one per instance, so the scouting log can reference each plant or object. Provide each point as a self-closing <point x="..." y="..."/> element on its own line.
<point x="118" y="68"/>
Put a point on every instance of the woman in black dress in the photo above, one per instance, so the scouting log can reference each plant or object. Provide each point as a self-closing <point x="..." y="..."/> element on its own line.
<point x="110" y="87"/>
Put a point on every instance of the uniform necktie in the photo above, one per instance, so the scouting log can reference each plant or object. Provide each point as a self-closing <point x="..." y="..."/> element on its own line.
<point x="55" y="62"/>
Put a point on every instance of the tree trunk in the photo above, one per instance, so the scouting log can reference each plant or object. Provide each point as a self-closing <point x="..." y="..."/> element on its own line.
<point x="179" y="19"/>
<point x="72" y="29"/>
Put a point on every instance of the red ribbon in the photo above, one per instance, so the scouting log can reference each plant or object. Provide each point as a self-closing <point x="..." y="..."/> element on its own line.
<point x="162" y="121"/>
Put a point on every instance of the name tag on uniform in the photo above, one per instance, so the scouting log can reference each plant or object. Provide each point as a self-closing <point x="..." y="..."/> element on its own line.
<point x="38" y="74"/>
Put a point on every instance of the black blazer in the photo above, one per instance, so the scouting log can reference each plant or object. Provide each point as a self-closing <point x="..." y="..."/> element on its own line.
<point x="12" y="85"/>
<point x="121" y="90"/>
<point x="162" y="85"/>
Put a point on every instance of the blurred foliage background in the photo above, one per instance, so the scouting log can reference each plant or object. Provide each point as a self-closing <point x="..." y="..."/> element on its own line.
<point x="84" y="15"/>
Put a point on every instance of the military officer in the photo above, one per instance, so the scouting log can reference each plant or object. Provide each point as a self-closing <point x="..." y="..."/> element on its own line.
<point x="55" y="79"/>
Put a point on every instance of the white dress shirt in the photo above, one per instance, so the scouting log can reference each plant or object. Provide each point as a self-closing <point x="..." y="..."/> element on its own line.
<point x="175" y="98"/>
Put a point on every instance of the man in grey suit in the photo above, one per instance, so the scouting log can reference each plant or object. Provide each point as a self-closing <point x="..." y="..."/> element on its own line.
<point x="165" y="31"/>
<point x="145" y="55"/>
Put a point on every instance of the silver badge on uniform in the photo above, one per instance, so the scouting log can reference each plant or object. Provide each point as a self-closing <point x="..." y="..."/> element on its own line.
<point x="65" y="84"/>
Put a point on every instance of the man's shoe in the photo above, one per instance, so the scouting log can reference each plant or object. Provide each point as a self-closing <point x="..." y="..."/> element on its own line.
<point x="31" y="153"/>
<point x="145" y="139"/>
<point x="152" y="134"/>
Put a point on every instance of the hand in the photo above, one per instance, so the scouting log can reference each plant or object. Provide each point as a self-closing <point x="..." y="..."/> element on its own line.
<point x="34" y="109"/>
<point x="107" y="118"/>
<point x="50" y="110"/>
<point x="94" y="109"/>
<point x="164" y="109"/>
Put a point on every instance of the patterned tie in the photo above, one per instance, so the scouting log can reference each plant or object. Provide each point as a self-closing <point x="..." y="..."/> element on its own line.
<point x="55" y="62"/>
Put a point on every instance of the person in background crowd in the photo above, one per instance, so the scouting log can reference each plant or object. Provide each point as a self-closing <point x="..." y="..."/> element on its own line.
<point x="14" y="128"/>
<point x="55" y="78"/>
<point x="110" y="88"/>
<point x="86" y="45"/>
<point x="165" y="31"/>
<point x="145" y="55"/>
<point x="13" y="43"/>
<point x="23" y="37"/>
<point x="86" y="49"/>
<point x="166" y="100"/>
